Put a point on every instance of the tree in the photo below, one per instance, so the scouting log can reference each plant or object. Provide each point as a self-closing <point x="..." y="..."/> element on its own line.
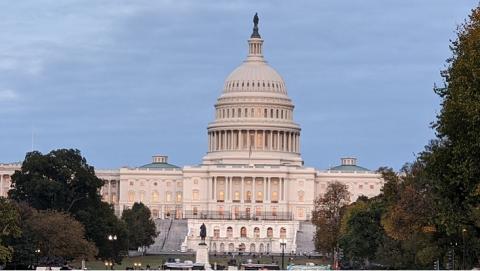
<point x="9" y="227"/>
<point x="452" y="160"/>
<point x="327" y="214"/>
<point x="361" y="232"/>
<point x="62" y="180"/>
<point x="140" y="226"/>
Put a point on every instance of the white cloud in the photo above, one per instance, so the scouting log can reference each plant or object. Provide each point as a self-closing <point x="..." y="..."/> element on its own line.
<point x="8" y="95"/>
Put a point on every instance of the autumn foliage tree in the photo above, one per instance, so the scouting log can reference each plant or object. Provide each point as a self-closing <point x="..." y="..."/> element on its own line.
<point x="327" y="214"/>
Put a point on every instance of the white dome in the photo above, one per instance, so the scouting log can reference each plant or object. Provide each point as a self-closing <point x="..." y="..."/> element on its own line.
<point x="255" y="76"/>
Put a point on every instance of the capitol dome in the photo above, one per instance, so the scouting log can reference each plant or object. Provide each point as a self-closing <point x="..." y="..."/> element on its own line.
<point x="254" y="115"/>
<point x="255" y="76"/>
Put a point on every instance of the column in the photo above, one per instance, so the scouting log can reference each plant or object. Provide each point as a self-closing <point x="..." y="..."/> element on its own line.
<point x="269" y="188"/>
<point x="231" y="189"/>
<point x="270" y="139"/>
<point x="109" y="191"/>
<point x="254" y="195"/>
<point x="282" y="189"/>
<point x="240" y="140"/>
<point x="265" y="193"/>
<point x="278" y="140"/>
<point x="248" y="139"/>
<point x="284" y="141"/>
<point x="242" y="190"/>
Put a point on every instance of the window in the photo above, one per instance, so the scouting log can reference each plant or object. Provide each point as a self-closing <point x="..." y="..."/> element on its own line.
<point x="236" y="211"/>
<point x="155" y="196"/>
<point x="360" y="186"/>
<point x="258" y="211"/>
<point x="155" y="183"/>
<point x="195" y="194"/>
<point x="155" y="213"/>
<point x="216" y="232"/>
<point x="259" y="196"/>
<point x="252" y="247"/>
<point x="131" y="183"/>
<point x="179" y="196"/>
<point x="270" y="232"/>
<point x="283" y="233"/>
<point x="169" y="196"/>
<point x="300" y="213"/>
<point x="131" y="196"/>
<point x="220" y="210"/>
<point x="274" y="196"/>
<point x="301" y="196"/>
<point x="243" y="232"/>
<point x="256" y="232"/>
<point x="195" y="181"/>
<point x="142" y="196"/>
<point x="248" y="197"/>
<point x="231" y="247"/>
<point x="195" y="210"/>
<point x="236" y="196"/>
<point x="230" y="232"/>
<point x="371" y="186"/>
<point x="221" y="196"/>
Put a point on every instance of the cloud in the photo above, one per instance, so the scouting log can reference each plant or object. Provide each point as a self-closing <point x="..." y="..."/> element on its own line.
<point x="8" y="95"/>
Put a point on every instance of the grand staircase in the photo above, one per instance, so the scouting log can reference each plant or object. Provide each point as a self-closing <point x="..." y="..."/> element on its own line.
<point x="171" y="235"/>
<point x="305" y="236"/>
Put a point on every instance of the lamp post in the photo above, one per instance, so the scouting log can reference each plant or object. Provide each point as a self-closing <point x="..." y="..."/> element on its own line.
<point x="111" y="238"/>
<point x="464" y="231"/>
<point x="37" y="253"/>
<point x="283" y="244"/>
<point x="137" y="265"/>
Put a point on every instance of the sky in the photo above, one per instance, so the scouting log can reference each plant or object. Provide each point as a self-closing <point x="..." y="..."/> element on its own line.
<point x="124" y="80"/>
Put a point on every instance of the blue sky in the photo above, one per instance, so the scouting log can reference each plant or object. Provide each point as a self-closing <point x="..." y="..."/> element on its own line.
<point x="123" y="80"/>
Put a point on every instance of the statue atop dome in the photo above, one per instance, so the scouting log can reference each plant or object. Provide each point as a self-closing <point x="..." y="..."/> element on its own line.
<point x="255" y="33"/>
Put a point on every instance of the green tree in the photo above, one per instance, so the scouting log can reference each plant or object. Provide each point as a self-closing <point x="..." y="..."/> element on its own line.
<point x="62" y="180"/>
<point x="327" y="214"/>
<point x="452" y="160"/>
<point x="361" y="232"/>
<point x="140" y="226"/>
<point x="9" y="227"/>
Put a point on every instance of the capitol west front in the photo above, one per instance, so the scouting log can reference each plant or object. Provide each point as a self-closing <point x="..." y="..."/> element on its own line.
<point x="251" y="190"/>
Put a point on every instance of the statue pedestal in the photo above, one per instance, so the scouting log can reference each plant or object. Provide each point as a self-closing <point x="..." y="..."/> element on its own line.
<point x="202" y="253"/>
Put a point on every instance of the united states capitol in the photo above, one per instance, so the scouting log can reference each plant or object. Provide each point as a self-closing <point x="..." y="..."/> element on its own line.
<point x="251" y="189"/>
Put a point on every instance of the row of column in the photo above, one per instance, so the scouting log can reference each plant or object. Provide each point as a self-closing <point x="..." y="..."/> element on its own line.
<point x="254" y="140"/>
<point x="229" y="193"/>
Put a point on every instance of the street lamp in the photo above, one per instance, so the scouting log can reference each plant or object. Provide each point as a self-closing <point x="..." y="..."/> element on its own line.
<point x="137" y="265"/>
<point x="464" y="231"/>
<point x="111" y="237"/>
<point x="108" y="264"/>
<point x="283" y="244"/>
<point x="37" y="253"/>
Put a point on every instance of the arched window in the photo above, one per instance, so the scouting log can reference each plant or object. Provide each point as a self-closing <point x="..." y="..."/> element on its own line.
<point x="252" y="247"/>
<point x="283" y="233"/>
<point x="231" y="247"/>
<point x="229" y="232"/>
<point x="270" y="232"/>
<point x="243" y="232"/>
<point x="222" y="247"/>
<point x="214" y="247"/>
<point x="256" y="232"/>
<point x="155" y="196"/>
<point x="241" y="247"/>
<point x="261" y="248"/>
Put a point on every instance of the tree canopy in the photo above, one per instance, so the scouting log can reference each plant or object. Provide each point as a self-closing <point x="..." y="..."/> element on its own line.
<point x="140" y="226"/>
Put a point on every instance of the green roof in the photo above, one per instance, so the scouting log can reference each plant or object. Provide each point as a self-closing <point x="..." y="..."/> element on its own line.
<point x="349" y="168"/>
<point x="159" y="166"/>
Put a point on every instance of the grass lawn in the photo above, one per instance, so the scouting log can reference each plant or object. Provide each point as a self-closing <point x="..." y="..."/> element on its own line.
<point x="157" y="260"/>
